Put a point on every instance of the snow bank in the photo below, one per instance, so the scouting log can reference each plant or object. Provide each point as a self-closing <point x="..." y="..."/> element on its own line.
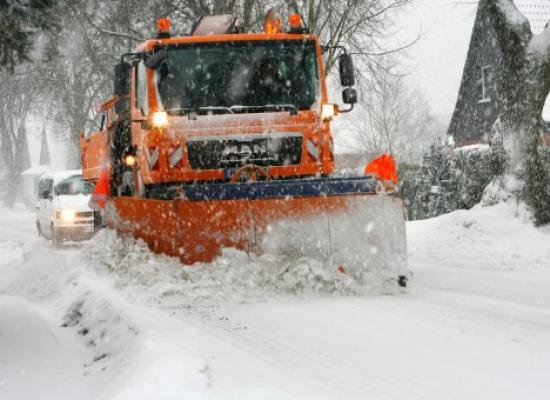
<point x="37" y="361"/>
<point x="11" y="252"/>
<point x="497" y="237"/>
<point x="133" y="352"/>
<point x="112" y="295"/>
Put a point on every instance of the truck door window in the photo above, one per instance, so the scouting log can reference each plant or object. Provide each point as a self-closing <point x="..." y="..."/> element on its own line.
<point x="102" y="120"/>
<point x="141" y="88"/>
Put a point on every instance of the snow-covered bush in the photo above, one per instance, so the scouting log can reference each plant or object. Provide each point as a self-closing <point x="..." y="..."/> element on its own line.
<point x="448" y="180"/>
<point x="535" y="173"/>
<point x="429" y="190"/>
<point x="473" y="171"/>
<point x="545" y="156"/>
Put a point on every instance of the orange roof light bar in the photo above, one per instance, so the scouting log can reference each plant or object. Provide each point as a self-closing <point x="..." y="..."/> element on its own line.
<point x="273" y="23"/>
<point x="295" y="22"/>
<point x="163" y="28"/>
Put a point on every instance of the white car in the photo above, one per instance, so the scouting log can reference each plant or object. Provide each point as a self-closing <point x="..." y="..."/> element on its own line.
<point x="62" y="211"/>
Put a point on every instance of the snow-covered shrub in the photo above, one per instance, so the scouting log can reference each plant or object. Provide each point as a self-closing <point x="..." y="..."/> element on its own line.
<point x="449" y="180"/>
<point x="408" y="186"/>
<point x="429" y="190"/>
<point x="473" y="170"/>
<point x="545" y="157"/>
<point x="502" y="189"/>
<point x="535" y="173"/>
<point x="498" y="158"/>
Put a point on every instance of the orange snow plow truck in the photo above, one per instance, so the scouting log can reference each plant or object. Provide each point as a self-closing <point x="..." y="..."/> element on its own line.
<point x="222" y="139"/>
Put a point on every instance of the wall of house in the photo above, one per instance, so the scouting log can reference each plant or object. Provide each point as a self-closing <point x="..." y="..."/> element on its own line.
<point x="478" y="101"/>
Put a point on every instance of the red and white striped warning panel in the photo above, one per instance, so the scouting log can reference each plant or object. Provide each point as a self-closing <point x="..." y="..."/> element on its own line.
<point x="152" y="154"/>
<point x="176" y="156"/>
<point x="312" y="150"/>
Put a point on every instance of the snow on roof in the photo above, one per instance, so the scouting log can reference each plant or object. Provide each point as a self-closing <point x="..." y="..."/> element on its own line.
<point x="472" y="148"/>
<point x="536" y="11"/>
<point x="60" y="175"/>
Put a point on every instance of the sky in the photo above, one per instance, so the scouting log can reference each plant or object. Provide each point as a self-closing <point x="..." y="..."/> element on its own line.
<point x="436" y="61"/>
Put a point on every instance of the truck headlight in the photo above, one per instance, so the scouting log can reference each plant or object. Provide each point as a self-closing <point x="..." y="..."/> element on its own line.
<point x="159" y="120"/>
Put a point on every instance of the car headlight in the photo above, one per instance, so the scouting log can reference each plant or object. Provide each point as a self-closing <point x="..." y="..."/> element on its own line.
<point x="67" y="215"/>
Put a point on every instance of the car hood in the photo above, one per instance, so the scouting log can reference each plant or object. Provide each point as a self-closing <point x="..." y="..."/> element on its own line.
<point x="76" y="202"/>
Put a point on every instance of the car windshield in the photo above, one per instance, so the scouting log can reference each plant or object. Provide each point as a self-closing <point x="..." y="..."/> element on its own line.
<point x="73" y="185"/>
<point x="244" y="75"/>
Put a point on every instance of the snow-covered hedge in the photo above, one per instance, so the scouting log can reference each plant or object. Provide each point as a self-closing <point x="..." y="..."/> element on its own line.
<point x="450" y="179"/>
<point x="545" y="156"/>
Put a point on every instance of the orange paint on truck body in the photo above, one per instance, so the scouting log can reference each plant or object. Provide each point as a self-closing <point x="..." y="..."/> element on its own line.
<point x="198" y="231"/>
<point x="187" y="207"/>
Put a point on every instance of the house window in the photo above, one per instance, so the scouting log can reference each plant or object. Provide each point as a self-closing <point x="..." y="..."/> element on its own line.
<point x="486" y="78"/>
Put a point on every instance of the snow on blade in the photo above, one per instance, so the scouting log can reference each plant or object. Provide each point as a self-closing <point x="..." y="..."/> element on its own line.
<point x="234" y="276"/>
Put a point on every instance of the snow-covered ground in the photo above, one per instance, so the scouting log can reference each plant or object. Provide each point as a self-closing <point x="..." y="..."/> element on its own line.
<point x="108" y="320"/>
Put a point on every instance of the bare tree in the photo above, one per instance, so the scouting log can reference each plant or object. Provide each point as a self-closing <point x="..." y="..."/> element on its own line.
<point x="394" y="117"/>
<point x="16" y="91"/>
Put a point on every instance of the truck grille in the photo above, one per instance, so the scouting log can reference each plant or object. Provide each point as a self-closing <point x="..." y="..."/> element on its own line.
<point x="236" y="151"/>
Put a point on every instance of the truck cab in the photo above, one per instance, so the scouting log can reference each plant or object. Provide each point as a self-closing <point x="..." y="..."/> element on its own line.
<point x="222" y="139"/>
<point x="212" y="105"/>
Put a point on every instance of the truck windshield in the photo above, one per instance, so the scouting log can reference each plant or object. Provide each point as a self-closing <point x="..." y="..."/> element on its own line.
<point x="248" y="76"/>
<point x="73" y="185"/>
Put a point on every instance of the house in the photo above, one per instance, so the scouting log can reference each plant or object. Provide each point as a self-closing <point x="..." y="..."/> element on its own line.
<point x="31" y="176"/>
<point x="478" y="103"/>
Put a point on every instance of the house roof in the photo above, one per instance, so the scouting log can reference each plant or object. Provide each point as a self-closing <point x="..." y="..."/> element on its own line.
<point x="536" y="11"/>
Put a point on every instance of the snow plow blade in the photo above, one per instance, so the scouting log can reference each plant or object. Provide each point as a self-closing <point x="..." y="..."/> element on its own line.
<point x="343" y="221"/>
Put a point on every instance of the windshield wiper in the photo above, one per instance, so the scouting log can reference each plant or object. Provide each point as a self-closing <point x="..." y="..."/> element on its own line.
<point x="277" y="107"/>
<point x="190" y="110"/>
<point x="233" y="109"/>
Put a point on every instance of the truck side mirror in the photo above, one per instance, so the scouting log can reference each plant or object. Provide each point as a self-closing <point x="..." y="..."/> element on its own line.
<point x="347" y="71"/>
<point x="349" y="96"/>
<point x="122" y="79"/>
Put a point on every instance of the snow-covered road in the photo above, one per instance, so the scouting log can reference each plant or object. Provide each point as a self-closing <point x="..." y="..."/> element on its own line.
<point x="474" y="324"/>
